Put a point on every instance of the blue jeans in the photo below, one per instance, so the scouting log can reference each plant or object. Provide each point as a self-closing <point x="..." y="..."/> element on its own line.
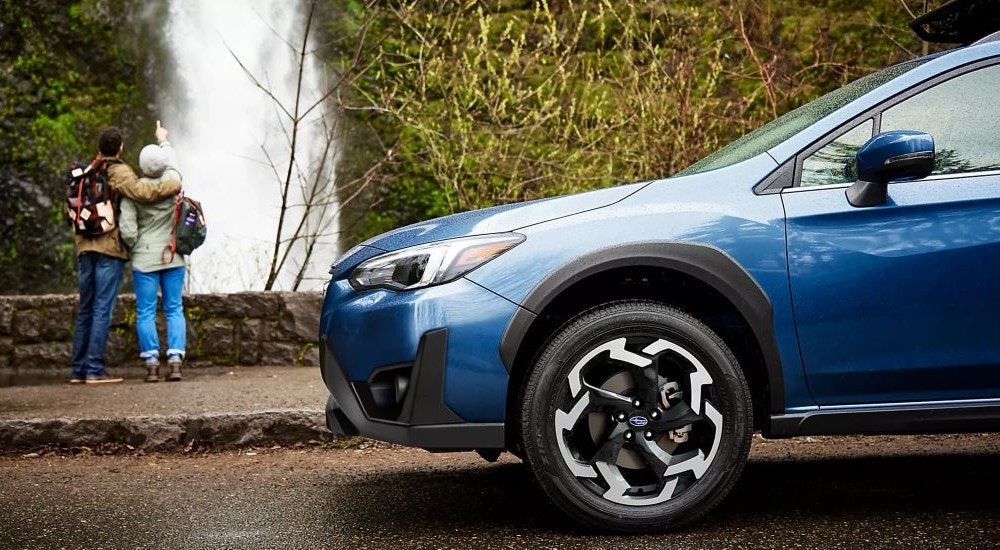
<point x="98" y="277"/>
<point x="171" y="283"/>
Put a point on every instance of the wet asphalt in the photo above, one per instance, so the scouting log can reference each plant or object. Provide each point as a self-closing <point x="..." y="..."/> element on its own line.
<point x="886" y="492"/>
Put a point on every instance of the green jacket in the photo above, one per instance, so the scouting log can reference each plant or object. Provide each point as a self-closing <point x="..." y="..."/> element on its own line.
<point x="123" y="181"/>
<point x="147" y="228"/>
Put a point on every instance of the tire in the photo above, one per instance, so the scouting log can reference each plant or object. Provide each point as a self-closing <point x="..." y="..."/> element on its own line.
<point x="636" y="417"/>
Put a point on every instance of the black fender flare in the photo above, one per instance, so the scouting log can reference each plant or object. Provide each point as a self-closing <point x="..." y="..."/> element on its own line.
<point x="706" y="263"/>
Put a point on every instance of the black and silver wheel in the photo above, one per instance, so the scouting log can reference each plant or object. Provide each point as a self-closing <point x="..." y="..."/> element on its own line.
<point x="636" y="417"/>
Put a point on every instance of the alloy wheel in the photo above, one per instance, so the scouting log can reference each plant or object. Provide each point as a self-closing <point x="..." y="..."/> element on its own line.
<point x="637" y="426"/>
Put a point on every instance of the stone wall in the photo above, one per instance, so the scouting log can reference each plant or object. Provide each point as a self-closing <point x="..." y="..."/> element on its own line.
<point x="250" y="328"/>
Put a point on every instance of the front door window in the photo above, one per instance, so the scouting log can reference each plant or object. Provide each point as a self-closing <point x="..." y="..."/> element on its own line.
<point x="963" y="117"/>
<point x="834" y="163"/>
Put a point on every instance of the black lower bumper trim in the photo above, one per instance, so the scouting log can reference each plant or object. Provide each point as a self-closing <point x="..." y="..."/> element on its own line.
<point x="950" y="418"/>
<point x="336" y="421"/>
<point x="344" y="415"/>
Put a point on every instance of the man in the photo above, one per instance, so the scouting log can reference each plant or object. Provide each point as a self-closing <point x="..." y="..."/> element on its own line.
<point x="100" y="262"/>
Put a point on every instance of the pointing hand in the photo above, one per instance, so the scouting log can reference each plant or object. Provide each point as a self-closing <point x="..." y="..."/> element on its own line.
<point x="161" y="132"/>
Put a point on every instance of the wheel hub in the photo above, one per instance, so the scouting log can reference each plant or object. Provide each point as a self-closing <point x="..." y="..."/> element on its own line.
<point x="638" y="420"/>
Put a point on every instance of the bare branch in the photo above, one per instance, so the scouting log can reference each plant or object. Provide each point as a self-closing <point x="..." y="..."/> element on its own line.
<point x="907" y="8"/>
<point x="273" y="274"/>
<point x="257" y="83"/>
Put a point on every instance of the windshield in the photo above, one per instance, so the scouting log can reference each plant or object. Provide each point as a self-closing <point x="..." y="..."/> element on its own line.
<point x="791" y="123"/>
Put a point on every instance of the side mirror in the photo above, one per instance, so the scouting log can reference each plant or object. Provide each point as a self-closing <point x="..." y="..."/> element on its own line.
<point x="890" y="156"/>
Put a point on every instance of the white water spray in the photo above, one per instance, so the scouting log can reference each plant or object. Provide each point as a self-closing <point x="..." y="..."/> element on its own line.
<point x="228" y="133"/>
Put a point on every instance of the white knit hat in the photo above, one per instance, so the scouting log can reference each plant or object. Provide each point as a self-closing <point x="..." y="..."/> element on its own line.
<point x="153" y="160"/>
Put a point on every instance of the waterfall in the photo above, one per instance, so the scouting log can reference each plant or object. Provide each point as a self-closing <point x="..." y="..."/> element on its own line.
<point x="233" y="143"/>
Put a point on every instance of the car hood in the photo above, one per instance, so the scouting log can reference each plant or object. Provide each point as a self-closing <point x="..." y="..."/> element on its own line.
<point x="510" y="217"/>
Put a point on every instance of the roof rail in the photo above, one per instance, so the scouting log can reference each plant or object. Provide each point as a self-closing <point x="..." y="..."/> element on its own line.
<point x="995" y="37"/>
<point x="959" y="22"/>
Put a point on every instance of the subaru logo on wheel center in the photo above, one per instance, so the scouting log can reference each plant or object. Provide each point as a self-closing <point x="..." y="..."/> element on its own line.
<point x="638" y="421"/>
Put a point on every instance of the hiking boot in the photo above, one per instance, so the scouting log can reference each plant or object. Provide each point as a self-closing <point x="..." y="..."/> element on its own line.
<point x="174" y="362"/>
<point x="152" y="368"/>
<point x="102" y="379"/>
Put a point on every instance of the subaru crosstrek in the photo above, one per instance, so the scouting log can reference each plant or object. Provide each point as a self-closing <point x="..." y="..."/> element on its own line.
<point x="834" y="272"/>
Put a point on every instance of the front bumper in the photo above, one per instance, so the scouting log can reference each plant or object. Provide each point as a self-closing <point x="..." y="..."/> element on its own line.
<point x="419" y="368"/>
<point x="423" y="421"/>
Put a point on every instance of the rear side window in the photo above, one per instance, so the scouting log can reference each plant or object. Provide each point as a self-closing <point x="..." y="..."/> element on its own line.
<point x="963" y="117"/>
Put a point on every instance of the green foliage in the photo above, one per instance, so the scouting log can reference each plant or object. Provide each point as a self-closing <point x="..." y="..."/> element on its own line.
<point x="518" y="102"/>
<point x="69" y="70"/>
<point x="501" y="101"/>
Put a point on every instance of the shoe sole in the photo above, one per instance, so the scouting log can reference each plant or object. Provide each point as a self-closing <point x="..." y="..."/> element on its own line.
<point x="107" y="381"/>
<point x="174" y="377"/>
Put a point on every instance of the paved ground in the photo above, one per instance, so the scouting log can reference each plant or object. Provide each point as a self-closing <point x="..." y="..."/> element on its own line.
<point x="845" y="492"/>
<point x="211" y="407"/>
<point x="212" y="390"/>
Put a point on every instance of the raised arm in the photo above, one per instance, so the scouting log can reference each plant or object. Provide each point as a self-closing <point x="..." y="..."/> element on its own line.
<point x="173" y="170"/>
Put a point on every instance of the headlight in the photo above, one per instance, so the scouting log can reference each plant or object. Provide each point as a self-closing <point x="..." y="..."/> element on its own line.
<point x="431" y="264"/>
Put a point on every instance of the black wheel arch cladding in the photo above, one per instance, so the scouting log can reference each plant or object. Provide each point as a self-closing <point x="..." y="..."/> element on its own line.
<point x="706" y="263"/>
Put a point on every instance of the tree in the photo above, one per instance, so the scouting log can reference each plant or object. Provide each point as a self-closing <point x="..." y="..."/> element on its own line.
<point x="311" y="200"/>
<point x="498" y="102"/>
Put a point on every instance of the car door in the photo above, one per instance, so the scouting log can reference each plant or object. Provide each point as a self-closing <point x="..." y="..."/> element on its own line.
<point x="900" y="302"/>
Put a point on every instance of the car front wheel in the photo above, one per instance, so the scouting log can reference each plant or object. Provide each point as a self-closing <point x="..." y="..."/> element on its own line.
<point x="636" y="417"/>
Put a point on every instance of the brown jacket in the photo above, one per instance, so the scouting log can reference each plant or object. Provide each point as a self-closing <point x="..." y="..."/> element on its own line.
<point x="124" y="182"/>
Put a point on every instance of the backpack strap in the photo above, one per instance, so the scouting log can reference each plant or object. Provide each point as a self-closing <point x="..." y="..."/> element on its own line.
<point x="79" y="188"/>
<point x="101" y="166"/>
<point x="79" y="200"/>
<point x="172" y="245"/>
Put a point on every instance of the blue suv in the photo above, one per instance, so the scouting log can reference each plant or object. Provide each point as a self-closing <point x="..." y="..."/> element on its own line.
<point x="835" y="272"/>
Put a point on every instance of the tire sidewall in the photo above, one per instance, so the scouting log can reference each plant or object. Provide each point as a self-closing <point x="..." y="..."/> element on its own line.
<point x="569" y="345"/>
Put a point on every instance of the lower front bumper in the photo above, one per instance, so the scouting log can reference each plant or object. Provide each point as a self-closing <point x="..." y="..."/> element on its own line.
<point x="425" y="420"/>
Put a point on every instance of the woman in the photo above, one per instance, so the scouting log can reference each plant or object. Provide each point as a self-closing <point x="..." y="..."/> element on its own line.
<point x="147" y="229"/>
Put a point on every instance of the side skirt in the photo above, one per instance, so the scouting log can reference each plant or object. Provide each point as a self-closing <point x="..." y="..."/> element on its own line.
<point x="952" y="417"/>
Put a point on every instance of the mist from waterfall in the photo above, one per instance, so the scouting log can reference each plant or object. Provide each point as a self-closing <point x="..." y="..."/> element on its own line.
<point x="228" y="133"/>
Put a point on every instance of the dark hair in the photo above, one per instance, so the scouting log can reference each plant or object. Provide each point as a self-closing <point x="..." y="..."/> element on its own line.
<point x="111" y="141"/>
